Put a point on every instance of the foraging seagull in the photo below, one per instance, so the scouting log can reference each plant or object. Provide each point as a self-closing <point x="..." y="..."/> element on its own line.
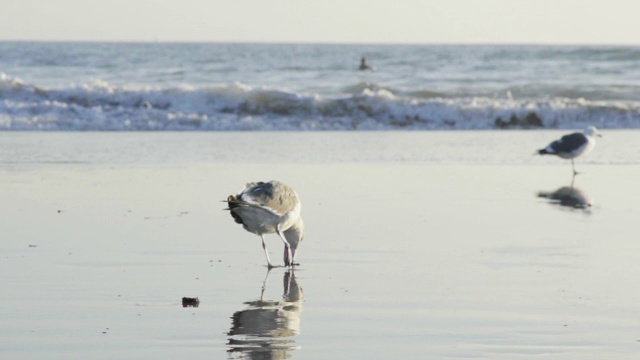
<point x="573" y="145"/>
<point x="267" y="208"/>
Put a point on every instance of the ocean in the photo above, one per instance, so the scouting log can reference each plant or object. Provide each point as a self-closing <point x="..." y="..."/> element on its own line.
<point x="315" y="87"/>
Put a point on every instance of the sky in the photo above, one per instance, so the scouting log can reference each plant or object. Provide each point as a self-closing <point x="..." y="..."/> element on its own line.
<point x="612" y="22"/>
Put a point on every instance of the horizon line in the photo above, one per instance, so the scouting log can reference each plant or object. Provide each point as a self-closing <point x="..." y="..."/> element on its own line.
<point x="289" y="42"/>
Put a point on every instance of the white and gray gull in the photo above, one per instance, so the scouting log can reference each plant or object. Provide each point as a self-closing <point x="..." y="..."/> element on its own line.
<point x="267" y="208"/>
<point x="573" y="145"/>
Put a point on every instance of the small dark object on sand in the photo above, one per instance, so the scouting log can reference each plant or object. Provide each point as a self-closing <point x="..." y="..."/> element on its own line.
<point x="190" y="302"/>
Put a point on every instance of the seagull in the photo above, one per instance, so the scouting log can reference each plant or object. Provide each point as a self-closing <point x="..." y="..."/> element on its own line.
<point x="573" y="145"/>
<point x="267" y="208"/>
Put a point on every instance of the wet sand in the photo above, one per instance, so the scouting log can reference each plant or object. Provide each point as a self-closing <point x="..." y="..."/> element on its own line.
<point x="418" y="245"/>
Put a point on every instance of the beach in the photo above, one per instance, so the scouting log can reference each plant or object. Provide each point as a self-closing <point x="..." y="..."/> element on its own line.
<point x="417" y="245"/>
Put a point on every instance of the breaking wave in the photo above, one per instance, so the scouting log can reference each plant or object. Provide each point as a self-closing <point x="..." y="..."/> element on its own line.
<point x="100" y="106"/>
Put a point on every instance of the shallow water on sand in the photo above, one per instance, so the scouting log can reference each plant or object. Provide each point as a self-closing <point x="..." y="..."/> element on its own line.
<point x="452" y="254"/>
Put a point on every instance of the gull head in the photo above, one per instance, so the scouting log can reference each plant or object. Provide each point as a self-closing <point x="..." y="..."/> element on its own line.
<point x="592" y="131"/>
<point x="294" y="236"/>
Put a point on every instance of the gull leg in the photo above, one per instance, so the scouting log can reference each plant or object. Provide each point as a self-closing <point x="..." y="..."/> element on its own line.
<point x="293" y="257"/>
<point x="288" y="261"/>
<point x="289" y="257"/>
<point x="573" y="165"/>
<point x="264" y="247"/>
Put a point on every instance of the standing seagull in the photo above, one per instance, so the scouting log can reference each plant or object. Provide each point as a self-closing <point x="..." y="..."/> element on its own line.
<point x="573" y="145"/>
<point x="267" y="208"/>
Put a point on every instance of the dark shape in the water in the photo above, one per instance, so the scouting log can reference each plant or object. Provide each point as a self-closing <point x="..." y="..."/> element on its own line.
<point x="364" y="66"/>
<point x="532" y="120"/>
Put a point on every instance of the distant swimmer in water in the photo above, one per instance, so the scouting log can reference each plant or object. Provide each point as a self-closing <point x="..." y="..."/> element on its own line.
<point x="364" y="66"/>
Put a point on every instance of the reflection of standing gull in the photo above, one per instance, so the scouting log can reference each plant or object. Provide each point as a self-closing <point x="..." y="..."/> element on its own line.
<point x="267" y="208"/>
<point x="265" y="329"/>
<point x="568" y="196"/>
<point x="573" y="145"/>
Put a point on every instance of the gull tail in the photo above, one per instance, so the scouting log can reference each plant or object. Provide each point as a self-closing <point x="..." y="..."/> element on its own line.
<point x="233" y="203"/>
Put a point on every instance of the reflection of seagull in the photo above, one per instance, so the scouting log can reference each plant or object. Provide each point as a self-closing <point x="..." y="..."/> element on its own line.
<point x="265" y="329"/>
<point x="568" y="196"/>
<point x="363" y="65"/>
<point x="267" y="208"/>
<point x="573" y="145"/>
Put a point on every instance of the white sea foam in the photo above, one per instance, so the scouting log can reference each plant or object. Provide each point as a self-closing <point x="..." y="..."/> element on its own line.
<point x="236" y="106"/>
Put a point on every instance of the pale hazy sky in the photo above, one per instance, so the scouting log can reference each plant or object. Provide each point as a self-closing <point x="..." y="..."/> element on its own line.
<point x="332" y="21"/>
